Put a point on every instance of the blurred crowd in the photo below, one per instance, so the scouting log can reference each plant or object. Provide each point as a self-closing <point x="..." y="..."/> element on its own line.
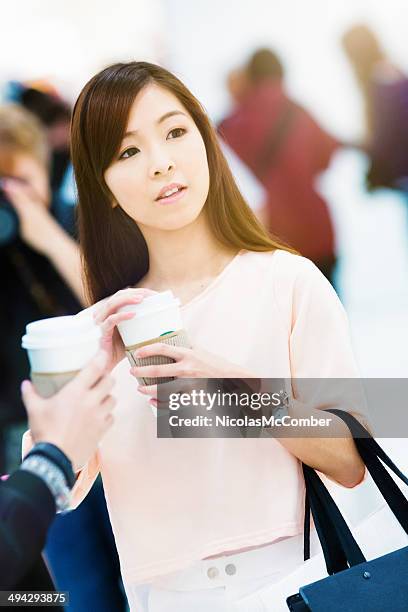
<point x="282" y="148"/>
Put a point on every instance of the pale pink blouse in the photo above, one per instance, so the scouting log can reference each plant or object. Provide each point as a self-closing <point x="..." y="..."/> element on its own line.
<point x="174" y="501"/>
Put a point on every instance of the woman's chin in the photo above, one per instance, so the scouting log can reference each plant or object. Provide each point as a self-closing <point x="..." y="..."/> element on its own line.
<point x="178" y="221"/>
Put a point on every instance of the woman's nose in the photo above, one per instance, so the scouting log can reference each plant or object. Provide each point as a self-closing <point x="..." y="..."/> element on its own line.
<point x="160" y="169"/>
<point x="160" y="161"/>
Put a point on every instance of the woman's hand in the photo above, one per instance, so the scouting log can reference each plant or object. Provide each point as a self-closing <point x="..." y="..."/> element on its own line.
<point x="107" y="317"/>
<point x="38" y="228"/>
<point x="189" y="363"/>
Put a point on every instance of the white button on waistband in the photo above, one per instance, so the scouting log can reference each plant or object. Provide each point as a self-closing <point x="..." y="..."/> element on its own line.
<point x="212" y="572"/>
<point x="230" y="569"/>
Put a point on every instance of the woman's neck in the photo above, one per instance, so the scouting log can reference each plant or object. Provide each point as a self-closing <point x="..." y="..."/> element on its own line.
<point x="185" y="260"/>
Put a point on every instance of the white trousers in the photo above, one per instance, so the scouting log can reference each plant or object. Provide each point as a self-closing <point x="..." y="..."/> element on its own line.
<point x="233" y="583"/>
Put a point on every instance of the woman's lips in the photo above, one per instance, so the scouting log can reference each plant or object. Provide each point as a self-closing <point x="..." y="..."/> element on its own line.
<point x="173" y="198"/>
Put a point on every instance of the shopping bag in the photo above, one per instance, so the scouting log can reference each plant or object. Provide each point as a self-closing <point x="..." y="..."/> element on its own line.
<point x="353" y="582"/>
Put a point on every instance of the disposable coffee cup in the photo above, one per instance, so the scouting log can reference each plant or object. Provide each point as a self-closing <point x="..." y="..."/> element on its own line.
<point x="157" y="319"/>
<point x="58" y="348"/>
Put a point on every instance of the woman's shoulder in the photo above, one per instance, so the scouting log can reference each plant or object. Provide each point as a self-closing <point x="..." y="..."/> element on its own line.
<point x="286" y="276"/>
<point x="283" y="264"/>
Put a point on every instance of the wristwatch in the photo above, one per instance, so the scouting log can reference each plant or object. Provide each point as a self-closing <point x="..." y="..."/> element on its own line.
<point x="57" y="456"/>
<point x="278" y="412"/>
<point x="53" y="477"/>
<point x="282" y="409"/>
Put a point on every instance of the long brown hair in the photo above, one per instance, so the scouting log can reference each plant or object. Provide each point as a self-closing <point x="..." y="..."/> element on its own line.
<point x="114" y="252"/>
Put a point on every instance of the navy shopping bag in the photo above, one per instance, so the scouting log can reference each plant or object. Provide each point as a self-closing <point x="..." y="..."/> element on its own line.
<point x="354" y="584"/>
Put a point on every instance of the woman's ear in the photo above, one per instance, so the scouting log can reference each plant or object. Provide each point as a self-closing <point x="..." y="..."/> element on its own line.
<point x="113" y="200"/>
<point x="109" y="195"/>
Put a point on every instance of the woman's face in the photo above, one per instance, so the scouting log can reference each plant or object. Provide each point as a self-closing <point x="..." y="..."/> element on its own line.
<point x="162" y="149"/>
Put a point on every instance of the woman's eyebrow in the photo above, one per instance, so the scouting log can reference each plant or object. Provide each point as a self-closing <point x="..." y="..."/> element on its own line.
<point x="162" y="118"/>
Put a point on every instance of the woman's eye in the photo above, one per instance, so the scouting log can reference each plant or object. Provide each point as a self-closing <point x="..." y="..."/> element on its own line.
<point x="129" y="153"/>
<point x="177" y="131"/>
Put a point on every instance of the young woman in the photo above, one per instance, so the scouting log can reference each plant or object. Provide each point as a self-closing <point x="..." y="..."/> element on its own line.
<point x="203" y="524"/>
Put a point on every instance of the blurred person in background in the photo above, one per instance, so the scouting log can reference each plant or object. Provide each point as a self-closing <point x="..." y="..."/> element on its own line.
<point x="286" y="149"/>
<point x="384" y="88"/>
<point x="39" y="260"/>
<point x="54" y="113"/>
<point x="238" y="84"/>
<point x="40" y="267"/>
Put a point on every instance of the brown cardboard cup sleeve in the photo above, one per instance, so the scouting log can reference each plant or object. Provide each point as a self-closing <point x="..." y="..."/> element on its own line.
<point x="177" y="338"/>
<point x="47" y="384"/>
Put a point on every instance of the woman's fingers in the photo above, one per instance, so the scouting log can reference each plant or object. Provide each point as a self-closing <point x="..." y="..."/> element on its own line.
<point x="161" y="348"/>
<point x="112" y="306"/>
<point x="148" y="390"/>
<point x="156" y="371"/>
<point x="124" y="297"/>
<point x="152" y="392"/>
<point x="110" y="323"/>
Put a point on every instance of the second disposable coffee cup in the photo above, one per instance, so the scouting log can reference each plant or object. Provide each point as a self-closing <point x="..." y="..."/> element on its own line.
<point x="157" y="319"/>
<point x="58" y="348"/>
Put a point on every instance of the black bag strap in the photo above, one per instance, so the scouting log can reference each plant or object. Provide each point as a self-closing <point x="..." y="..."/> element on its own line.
<point x="339" y="546"/>
<point x="371" y="453"/>
<point x="363" y="439"/>
<point x="276" y="138"/>
<point x="306" y="529"/>
<point x="332" y="547"/>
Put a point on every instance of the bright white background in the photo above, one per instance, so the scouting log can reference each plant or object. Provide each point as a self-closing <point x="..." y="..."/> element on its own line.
<point x="67" y="41"/>
<point x="209" y="36"/>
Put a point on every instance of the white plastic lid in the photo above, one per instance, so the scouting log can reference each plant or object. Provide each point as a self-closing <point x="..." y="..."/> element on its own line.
<point x="152" y="303"/>
<point x="60" y="331"/>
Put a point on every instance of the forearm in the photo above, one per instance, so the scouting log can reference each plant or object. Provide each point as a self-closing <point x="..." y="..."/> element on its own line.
<point x="330" y="450"/>
<point x="336" y="456"/>
<point x="63" y="252"/>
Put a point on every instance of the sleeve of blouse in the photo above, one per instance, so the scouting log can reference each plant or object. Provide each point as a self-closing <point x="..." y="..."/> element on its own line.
<point x="321" y="348"/>
<point x="85" y="477"/>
